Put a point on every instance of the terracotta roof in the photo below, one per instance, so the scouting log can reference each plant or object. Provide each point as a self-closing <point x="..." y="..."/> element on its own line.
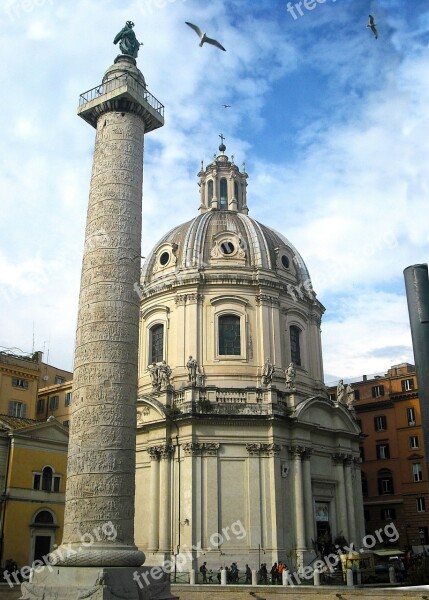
<point x="12" y="423"/>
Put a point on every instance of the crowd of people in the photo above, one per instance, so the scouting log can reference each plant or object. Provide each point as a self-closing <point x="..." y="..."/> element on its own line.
<point x="274" y="576"/>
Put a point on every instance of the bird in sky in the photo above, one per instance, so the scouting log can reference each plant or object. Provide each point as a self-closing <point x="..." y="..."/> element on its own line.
<point x="227" y="105"/>
<point x="372" y="26"/>
<point x="204" y="38"/>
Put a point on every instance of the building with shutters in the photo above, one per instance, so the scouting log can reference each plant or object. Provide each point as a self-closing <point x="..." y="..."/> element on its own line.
<point x="394" y="474"/>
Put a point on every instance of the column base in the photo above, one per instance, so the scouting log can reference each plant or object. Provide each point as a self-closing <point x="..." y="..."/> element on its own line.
<point x="98" y="583"/>
<point x="97" y="555"/>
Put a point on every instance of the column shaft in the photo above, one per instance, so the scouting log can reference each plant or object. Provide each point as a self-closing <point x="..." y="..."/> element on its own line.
<point x="154" y="504"/>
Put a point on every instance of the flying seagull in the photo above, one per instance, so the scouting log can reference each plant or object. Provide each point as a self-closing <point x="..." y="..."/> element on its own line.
<point x="226" y="105"/>
<point x="204" y="38"/>
<point x="372" y="26"/>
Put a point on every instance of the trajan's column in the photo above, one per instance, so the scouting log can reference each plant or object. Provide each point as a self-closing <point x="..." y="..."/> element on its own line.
<point x="98" y="555"/>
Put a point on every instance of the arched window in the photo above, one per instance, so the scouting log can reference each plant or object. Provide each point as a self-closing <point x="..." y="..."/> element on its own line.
<point x="385" y="481"/>
<point x="44" y="517"/>
<point x="209" y="192"/>
<point x="364" y="485"/>
<point x="229" y="335"/>
<point x="236" y="190"/>
<point x="47" y="479"/>
<point x="295" y="350"/>
<point x="223" y="193"/>
<point x="156" y="343"/>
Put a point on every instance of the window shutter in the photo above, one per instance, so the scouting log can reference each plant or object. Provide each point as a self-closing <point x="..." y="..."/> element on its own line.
<point x="23" y="410"/>
<point x="11" y="411"/>
<point x="380" y="487"/>
<point x="381" y="390"/>
<point x="373" y="392"/>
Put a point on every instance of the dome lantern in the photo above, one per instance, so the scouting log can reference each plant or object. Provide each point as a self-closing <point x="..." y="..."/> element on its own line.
<point x="222" y="186"/>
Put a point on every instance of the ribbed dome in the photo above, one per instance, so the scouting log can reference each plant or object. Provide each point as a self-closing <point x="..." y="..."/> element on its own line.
<point x="224" y="238"/>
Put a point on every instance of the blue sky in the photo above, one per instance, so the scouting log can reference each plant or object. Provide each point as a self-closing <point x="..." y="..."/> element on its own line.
<point x="332" y="124"/>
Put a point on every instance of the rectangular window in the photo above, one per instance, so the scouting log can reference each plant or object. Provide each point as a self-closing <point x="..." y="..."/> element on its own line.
<point x="67" y="398"/>
<point x="156" y="343"/>
<point x="386" y="514"/>
<point x="54" y="402"/>
<point x="17" y="409"/>
<point x="383" y="451"/>
<point x="357" y="394"/>
<point x="411" y="416"/>
<point x="59" y="379"/>
<point x="40" y="406"/>
<point x="380" y="423"/>
<point x="56" y="484"/>
<point x="407" y="385"/>
<point x="36" y="481"/>
<point x="20" y="383"/>
<point x="414" y="441"/>
<point x="377" y="391"/>
<point x="421" y="505"/>
<point x="332" y="397"/>
<point x="417" y="472"/>
<point x="295" y="349"/>
<point x="386" y="486"/>
<point x="229" y="335"/>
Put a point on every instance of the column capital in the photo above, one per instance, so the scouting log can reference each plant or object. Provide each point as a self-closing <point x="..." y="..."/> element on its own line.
<point x="193" y="448"/>
<point x="211" y="448"/>
<point x="339" y="458"/>
<point x="253" y="449"/>
<point x="270" y="449"/>
<point x="165" y="451"/>
<point x="153" y="452"/>
<point x="299" y="450"/>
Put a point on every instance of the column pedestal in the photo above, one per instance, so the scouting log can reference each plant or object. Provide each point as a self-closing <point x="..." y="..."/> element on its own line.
<point x="98" y="583"/>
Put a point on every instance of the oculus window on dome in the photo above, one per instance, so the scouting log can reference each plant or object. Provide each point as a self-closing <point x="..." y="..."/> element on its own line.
<point x="229" y="335"/>
<point x="156" y="343"/>
<point x="227" y="247"/>
<point x="285" y="261"/>
<point x="164" y="258"/>
<point x="295" y="350"/>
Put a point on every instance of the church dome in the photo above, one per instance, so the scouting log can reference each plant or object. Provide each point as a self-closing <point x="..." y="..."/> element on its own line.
<point x="224" y="239"/>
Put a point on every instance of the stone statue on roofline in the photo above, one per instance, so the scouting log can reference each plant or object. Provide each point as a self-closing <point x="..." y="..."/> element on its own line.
<point x="267" y="372"/>
<point x="350" y="397"/>
<point x="128" y="43"/>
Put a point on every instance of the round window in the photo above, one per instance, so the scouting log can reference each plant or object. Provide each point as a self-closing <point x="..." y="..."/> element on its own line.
<point x="227" y="247"/>
<point x="285" y="261"/>
<point x="164" y="258"/>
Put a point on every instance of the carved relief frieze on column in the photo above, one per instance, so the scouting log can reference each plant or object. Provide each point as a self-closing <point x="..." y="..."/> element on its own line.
<point x="211" y="448"/>
<point x="193" y="448"/>
<point x="253" y="449"/>
<point x="153" y="452"/>
<point x="180" y="299"/>
<point x="265" y="299"/>
<point x="270" y="449"/>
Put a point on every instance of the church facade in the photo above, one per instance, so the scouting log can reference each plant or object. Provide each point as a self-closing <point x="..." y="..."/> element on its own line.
<point x="240" y="452"/>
